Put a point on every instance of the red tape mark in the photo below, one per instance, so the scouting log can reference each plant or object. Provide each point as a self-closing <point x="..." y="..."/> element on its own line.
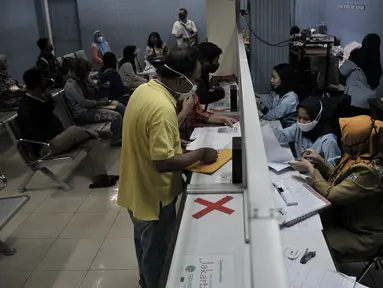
<point x="210" y="206"/>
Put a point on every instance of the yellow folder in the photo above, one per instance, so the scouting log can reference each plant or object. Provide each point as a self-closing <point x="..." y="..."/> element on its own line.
<point x="223" y="157"/>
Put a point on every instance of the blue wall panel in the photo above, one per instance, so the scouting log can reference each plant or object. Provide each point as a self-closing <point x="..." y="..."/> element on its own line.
<point x="270" y="20"/>
<point x="127" y="22"/>
<point x="352" y="25"/>
<point x="309" y="13"/>
<point x="19" y="29"/>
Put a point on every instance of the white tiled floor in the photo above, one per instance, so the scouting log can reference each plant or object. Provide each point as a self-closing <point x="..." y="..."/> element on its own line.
<point x="70" y="239"/>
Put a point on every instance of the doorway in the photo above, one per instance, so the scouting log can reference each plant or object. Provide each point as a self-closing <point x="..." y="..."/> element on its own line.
<point x="65" y="26"/>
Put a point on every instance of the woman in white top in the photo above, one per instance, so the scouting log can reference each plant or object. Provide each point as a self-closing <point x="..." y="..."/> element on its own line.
<point x="313" y="130"/>
<point x="156" y="48"/>
<point x="127" y="68"/>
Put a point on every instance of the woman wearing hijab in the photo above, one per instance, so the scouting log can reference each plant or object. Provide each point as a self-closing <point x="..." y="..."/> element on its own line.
<point x="354" y="189"/>
<point x="313" y="130"/>
<point x="156" y="48"/>
<point x="98" y="49"/>
<point x="363" y="71"/>
<point x="281" y="103"/>
<point x="127" y="68"/>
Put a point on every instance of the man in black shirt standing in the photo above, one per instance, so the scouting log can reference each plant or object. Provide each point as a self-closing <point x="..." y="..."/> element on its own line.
<point x="38" y="122"/>
<point x="209" y="54"/>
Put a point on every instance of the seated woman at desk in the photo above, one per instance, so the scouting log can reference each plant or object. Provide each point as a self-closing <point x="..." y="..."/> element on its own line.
<point x="86" y="109"/>
<point x="354" y="189"/>
<point x="127" y="68"/>
<point x="281" y="103"/>
<point x="191" y="115"/>
<point x="313" y="130"/>
<point x="363" y="71"/>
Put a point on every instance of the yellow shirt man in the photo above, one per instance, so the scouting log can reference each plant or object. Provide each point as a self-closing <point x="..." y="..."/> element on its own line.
<point x="150" y="133"/>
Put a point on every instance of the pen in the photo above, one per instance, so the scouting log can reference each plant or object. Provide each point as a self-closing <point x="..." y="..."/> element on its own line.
<point x="285" y="196"/>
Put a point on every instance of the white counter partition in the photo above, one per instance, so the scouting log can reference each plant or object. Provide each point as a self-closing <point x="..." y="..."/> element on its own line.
<point x="267" y="263"/>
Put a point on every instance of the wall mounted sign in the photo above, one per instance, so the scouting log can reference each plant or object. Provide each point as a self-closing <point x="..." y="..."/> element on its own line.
<point x="352" y="6"/>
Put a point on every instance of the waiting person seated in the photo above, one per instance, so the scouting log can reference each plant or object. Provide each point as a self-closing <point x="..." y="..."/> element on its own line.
<point x="281" y="104"/>
<point x="363" y="71"/>
<point x="98" y="48"/>
<point x="156" y="49"/>
<point x="48" y="64"/>
<point x="127" y="68"/>
<point x="355" y="223"/>
<point x="209" y="54"/>
<point x="111" y="86"/>
<point x="84" y="106"/>
<point x="191" y="115"/>
<point x="11" y="92"/>
<point x="39" y="123"/>
<point x="313" y="130"/>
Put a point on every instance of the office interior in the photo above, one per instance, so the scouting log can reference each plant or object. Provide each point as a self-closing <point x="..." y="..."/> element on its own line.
<point x="54" y="248"/>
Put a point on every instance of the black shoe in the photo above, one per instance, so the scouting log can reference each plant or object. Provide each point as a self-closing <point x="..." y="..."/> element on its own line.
<point x="116" y="143"/>
<point x="104" y="181"/>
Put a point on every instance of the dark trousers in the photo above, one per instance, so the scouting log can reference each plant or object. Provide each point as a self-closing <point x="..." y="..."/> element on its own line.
<point x="151" y="240"/>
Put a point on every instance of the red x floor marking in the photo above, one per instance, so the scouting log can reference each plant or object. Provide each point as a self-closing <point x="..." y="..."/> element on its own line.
<point x="210" y="206"/>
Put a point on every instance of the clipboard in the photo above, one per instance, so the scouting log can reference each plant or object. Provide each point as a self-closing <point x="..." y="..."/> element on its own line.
<point x="223" y="157"/>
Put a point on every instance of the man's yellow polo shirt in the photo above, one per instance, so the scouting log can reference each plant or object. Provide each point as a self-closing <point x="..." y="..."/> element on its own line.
<point x="150" y="132"/>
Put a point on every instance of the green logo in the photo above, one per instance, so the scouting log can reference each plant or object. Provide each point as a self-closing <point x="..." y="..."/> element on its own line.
<point x="190" y="269"/>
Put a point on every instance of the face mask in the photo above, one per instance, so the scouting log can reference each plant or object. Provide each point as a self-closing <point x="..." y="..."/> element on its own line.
<point x="213" y="67"/>
<point x="182" y="16"/>
<point x="183" y="96"/>
<point x="99" y="39"/>
<point x="310" y="126"/>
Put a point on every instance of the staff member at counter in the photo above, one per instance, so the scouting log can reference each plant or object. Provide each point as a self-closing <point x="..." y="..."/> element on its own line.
<point x="313" y="130"/>
<point x="152" y="160"/>
<point x="354" y="188"/>
<point x="281" y="103"/>
<point x="363" y="71"/>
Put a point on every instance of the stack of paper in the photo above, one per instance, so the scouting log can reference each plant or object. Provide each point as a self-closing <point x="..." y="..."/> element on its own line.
<point x="304" y="276"/>
<point x="277" y="156"/>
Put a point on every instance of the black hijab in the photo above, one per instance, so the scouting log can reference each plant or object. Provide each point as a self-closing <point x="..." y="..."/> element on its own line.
<point x="368" y="59"/>
<point x="312" y="105"/>
<point x="129" y="56"/>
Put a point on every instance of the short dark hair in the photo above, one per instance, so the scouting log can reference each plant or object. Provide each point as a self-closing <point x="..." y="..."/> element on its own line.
<point x="42" y="43"/>
<point x="110" y="60"/>
<point x="182" y="60"/>
<point x="209" y="51"/>
<point x="183" y="9"/>
<point x="33" y="78"/>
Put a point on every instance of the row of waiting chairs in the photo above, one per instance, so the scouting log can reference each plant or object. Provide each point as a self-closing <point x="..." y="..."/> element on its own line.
<point x="38" y="163"/>
<point x="75" y="55"/>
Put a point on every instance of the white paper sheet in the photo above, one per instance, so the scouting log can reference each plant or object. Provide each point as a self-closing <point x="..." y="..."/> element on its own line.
<point x="304" y="276"/>
<point x="277" y="156"/>
<point x="214" y="137"/>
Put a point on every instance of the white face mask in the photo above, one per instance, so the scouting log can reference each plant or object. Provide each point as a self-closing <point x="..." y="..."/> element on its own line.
<point x="183" y="96"/>
<point x="100" y="38"/>
<point x="310" y="126"/>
